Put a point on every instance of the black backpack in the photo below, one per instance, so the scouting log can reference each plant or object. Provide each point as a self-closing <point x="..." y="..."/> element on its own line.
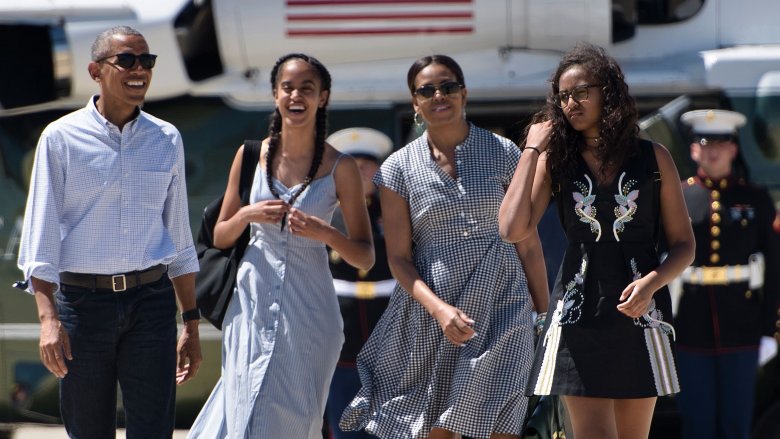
<point x="216" y="279"/>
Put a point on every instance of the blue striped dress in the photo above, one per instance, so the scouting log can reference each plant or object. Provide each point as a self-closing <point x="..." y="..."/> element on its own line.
<point x="282" y="331"/>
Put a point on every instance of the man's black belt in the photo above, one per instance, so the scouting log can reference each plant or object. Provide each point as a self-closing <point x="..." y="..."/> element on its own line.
<point x="116" y="282"/>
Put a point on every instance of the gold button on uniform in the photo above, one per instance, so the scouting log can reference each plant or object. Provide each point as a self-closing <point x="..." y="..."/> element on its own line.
<point x="716" y="205"/>
<point x="362" y="273"/>
<point x="715" y="218"/>
<point x="715" y="244"/>
<point x="715" y="195"/>
<point x="743" y="222"/>
<point x="715" y="231"/>
<point x="748" y="294"/>
<point x="714" y="258"/>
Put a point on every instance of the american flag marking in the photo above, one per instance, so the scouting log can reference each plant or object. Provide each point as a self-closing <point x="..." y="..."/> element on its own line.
<point x="310" y="18"/>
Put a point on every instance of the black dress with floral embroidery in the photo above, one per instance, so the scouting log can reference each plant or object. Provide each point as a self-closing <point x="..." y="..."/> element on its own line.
<point x="588" y="347"/>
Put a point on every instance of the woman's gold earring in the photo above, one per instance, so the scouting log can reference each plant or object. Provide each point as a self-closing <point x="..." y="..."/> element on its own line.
<point x="418" y="120"/>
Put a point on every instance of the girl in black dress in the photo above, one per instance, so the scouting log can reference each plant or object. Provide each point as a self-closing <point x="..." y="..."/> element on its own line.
<point x="607" y="342"/>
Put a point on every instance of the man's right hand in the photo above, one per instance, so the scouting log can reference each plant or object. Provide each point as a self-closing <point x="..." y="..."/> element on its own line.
<point x="55" y="347"/>
<point x="55" y="343"/>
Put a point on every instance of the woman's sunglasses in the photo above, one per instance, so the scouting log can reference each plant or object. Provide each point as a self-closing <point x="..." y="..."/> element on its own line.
<point x="429" y="90"/>
<point x="127" y="60"/>
<point x="578" y="93"/>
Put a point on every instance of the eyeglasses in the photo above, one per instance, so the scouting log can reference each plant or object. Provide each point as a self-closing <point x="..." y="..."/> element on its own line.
<point x="429" y="90"/>
<point x="127" y="60"/>
<point x="579" y="93"/>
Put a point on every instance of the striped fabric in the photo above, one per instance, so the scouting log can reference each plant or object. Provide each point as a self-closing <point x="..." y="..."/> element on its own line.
<point x="366" y="18"/>
<point x="282" y="332"/>
<point x="662" y="361"/>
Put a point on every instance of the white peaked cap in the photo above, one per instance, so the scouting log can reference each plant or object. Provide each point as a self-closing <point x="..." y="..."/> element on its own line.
<point x="360" y="140"/>
<point x="713" y="121"/>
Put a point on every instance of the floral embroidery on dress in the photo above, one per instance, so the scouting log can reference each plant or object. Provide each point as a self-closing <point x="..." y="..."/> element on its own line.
<point x="568" y="310"/>
<point x="626" y="208"/>
<point x="573" y="298"/>
<point x="584" y="206"/>
<point x="653" y="318"/>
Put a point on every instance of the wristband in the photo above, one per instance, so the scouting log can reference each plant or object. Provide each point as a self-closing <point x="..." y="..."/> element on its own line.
<point x="540" y="320"/>
<point x="533" y="148"/>
<point x="192" y="314"/>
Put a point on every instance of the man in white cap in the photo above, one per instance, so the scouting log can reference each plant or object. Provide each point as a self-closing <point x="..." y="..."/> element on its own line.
<point x="363" y="295"/>
<point x="728" y="299"/>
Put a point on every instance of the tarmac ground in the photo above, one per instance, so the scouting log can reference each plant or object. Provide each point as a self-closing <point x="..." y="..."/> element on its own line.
<point x="45" y="431"/>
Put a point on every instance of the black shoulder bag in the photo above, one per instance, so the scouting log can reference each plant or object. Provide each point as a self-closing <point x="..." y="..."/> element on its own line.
<point x="216" y="279"/>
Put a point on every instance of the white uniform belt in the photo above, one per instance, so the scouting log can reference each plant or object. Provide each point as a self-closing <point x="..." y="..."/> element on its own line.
<point x="753" y="273"/>
<point x="364" y="290"/>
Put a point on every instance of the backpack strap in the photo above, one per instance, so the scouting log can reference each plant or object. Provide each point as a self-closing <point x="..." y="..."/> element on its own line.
<point x="248" y="166"/>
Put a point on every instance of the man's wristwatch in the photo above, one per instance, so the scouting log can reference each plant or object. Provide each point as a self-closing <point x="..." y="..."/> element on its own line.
<point x="192" y="314"/>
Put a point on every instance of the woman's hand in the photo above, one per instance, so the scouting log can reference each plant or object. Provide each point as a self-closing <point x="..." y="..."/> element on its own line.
<point x="267" y="211"/>
<point x="635" y="299"/>
<point x="308" y="226"/>
<point x="456" y="325"/>
<point x="539" y="136"/>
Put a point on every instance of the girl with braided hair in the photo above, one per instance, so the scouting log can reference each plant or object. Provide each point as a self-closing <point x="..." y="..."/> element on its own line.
<point x="282" y="331"/>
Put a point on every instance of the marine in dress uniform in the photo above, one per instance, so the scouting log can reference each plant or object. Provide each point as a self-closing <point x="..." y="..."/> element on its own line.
<point x="729" y="295"/>
<point x="363" y="294"/>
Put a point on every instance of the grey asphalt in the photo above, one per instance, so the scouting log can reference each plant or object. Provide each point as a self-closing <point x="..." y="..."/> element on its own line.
<point x="36" y="431"/>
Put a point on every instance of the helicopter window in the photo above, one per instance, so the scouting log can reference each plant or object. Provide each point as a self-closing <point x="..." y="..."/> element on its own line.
<point x="667" y="11"/>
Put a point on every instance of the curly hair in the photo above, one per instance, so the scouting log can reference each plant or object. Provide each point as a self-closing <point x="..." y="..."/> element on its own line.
<point x="275" y="126"/>
<point x="619" y="130"/>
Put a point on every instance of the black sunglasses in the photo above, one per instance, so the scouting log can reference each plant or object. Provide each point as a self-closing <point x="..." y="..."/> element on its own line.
<point x="127" y="60"/>
<point x="579" y="93"/>
<point x="429" y="90"/>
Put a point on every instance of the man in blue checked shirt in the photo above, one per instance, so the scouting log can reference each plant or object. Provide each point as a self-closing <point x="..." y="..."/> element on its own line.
<point x="106" y="242"/>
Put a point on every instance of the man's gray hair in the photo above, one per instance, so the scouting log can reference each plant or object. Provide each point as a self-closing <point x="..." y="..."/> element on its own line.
<point x="102" y="43"/>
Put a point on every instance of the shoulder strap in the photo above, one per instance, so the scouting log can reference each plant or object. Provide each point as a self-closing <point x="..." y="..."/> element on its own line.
<point x="248" y="166"/>
<point x="648" y="150"/>
<point x="336" y="164"/>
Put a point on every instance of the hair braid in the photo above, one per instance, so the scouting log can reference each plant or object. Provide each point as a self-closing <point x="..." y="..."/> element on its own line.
<point x="274" y="133"/>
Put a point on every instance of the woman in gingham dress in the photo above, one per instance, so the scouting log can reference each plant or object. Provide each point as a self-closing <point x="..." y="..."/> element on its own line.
<point x="452" y="351"/>
<point x="607" y="344"/>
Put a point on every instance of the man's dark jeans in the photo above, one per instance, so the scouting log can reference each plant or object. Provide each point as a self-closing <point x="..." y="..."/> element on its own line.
<point x="129" y="337"/>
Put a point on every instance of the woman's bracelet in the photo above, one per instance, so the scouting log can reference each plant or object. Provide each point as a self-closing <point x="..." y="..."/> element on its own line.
<point x="540" y="320"/>
<point x="533" y="148"/>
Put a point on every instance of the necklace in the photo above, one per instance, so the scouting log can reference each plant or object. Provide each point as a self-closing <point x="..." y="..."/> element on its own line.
<point x="301" y="188"/>
<point x="596" y="139"/>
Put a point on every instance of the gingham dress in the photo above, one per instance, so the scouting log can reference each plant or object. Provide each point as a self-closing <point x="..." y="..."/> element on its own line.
<point x="413" y="378"/>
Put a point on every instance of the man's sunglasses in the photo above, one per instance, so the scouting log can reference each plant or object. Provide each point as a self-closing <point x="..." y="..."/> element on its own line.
<point x="578" y="93"/>
<point x="447" y="89"/>
<point x="127" y="60"/>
